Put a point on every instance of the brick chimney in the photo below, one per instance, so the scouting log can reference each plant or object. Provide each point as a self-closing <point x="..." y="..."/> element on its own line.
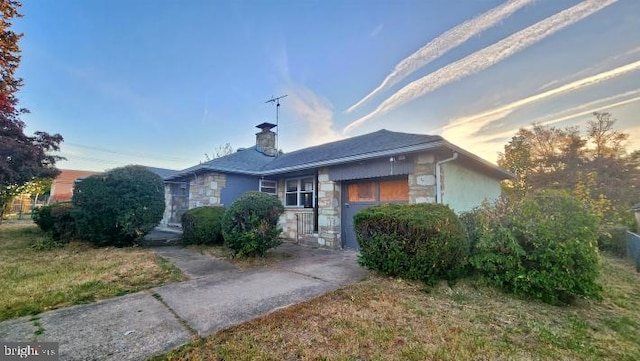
<point x="266" y="139"/>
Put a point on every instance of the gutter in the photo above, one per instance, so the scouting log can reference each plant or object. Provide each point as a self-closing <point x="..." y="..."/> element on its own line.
<point x="439" y="176"/>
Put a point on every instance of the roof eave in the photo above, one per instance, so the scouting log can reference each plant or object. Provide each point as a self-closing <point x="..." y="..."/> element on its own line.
<point x="499" y="171"/>
<point x="198" y="170"/>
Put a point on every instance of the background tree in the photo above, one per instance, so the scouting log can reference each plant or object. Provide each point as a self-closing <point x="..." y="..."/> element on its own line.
<point x="517" y="160"/>
<point x="594" y="164"/>
<point x="23" y="158"/>
<point x="607" y="142"/>
<point x="219" y="151"/>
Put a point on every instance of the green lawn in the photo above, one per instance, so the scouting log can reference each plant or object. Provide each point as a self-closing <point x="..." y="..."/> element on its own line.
<point x="389" y="319"/>
<point x="33" y="281"/>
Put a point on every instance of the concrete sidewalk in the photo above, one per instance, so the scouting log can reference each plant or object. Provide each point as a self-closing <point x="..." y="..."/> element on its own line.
<point x="137" y="326"/>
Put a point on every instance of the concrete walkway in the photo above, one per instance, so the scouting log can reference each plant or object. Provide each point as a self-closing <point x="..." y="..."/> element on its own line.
<point x="218" y="295"/>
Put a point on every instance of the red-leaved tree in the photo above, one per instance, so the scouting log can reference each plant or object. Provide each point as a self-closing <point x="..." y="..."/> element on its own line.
<point x="23" y="158"/>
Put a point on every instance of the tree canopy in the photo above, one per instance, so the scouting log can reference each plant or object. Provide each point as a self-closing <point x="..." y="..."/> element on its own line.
<point x="594" y="164"/>
<point x="23" y="158"/>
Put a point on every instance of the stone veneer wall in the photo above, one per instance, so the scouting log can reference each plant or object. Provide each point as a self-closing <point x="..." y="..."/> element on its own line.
<point x="329" y="210"/>
<point x="289" y="223"/>
<point x="422" y="182"/>
<point x="206" y="189"/>
<point x="167" y="205"/>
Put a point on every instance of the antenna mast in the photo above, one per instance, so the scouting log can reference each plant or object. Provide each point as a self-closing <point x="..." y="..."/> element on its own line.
<point x="276" y="101"/>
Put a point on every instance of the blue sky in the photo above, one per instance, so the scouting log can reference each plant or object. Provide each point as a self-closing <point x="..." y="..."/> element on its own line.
<point x="161" y="83"/>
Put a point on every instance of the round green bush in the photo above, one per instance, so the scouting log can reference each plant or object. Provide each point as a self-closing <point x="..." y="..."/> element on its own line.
<point x="418" y="241"/>
<point x="118" y="207"/>
<point x="250" y="225"/>
<point x="544" y="247"/>
<point x="202" y="225"/>
<point x="42" y="218"/>
<point x="56" y="220"/>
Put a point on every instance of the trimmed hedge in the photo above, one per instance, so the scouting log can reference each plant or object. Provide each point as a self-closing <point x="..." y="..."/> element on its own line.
<point x="203" y="225"/>
<point x="56" y="220"/>
<point x="543" y="247"/>
<point x="418" y="241"/>
<point x="117" y="207"/>
<point x="250" y="225"/>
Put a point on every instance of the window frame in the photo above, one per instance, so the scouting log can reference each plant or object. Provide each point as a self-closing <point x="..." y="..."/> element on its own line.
<point x="262" y="187"/>
<point x="300" y="191"/>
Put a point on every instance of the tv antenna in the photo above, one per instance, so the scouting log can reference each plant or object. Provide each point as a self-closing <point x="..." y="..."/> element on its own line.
<point x="276" y="101"/>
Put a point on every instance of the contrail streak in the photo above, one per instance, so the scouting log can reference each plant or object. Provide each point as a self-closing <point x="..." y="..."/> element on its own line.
<point x="557" y="117"/>
<point x="443" y="43"/>
<point x="486" y="57"/>
<point x="578" y="84"/>
<point x="591" y="111"/>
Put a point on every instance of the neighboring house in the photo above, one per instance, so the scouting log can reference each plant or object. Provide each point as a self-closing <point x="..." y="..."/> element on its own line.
<point x="62" y="186"/>
<point x="322" y="187"/>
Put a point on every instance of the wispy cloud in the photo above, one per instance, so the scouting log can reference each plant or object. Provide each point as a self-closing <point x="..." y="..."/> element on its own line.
<point x="376" y="31"/>
<point x="312" y="113"/>
<point x="315" y="113"/>
<point x="443" y="43"/>
<point x="486" y="57"/>
<point x="492" y="115"/>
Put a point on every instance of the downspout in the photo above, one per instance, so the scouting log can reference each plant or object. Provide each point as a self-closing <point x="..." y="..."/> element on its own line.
<point x="439" y="176"/>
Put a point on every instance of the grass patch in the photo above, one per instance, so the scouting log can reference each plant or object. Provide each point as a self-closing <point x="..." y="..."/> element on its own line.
<point x="33" y="281"/>
<point x="271" y="257"/>
<point x="389" y="319"/>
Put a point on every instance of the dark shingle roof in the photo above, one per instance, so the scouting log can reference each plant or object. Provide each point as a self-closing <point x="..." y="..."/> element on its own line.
<point x="377" y="144"/>
<point x="162" y="172"/>
<point x="360" y="146"/>
<point x="245" y="161"/>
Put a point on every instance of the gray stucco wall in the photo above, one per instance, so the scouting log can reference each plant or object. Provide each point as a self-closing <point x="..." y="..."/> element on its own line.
<point x="464" y="188"/>
<point x="236" y="185"/>
<point x="381" y="167"/>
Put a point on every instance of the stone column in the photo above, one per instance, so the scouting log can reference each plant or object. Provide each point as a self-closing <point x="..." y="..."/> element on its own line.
<point x="422" y="182"/>
<point x="329" y="211"/>
<point x="166" y="216"/>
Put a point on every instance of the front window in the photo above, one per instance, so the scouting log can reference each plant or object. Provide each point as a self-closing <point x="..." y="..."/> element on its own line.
<point x="299" y="192"/>
<point x="268" y="186"/>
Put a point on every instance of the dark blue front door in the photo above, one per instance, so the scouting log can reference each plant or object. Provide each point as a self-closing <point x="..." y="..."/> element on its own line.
<point x="349" y="234"/>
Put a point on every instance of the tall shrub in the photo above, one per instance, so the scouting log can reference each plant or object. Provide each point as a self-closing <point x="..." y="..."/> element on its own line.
<point x="544" y="247"/>
<point x="202" y="225"/>
<point x="119" y="206"/>
<point x="418" y="241"/>
<point x="56" y="220"/>
<point x="250" y="225"/>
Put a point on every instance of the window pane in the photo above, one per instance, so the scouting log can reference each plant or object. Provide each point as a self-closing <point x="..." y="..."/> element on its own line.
<point x="292" y="185"/>
<point x="268" y="186"/>
<point x="307" y="199"/>
<point x="307" y="184"/>
<point x="394" y="190"/>
<point x="291" y="199"/>
<point x="362" y="192"/>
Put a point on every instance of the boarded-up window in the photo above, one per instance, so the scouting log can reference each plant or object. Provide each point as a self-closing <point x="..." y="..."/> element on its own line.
<point x="394" y="190"/>
<point x="362" y="192"/>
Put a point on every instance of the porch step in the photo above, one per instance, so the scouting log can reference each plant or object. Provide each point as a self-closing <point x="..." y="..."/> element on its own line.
<point x="308" y="240"/>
